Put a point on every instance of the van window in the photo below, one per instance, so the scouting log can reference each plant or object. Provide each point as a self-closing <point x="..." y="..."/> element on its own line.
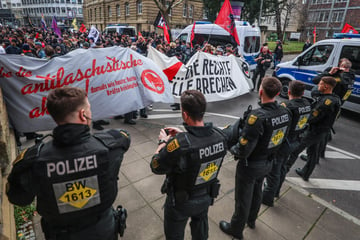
<point x="110" y="30"/>
<point x="252" y="44"/>
<point x="353" y="54"/>
<point x="317" y="55"/>
<point x="127" y="31"/>
<point x="213" y="39"/>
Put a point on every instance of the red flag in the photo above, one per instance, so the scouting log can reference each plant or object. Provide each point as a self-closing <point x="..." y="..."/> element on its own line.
<point x="192" y="35"/>
<point x="314" y="33"/>
<point x="348" y="29"/>
<point x="139" y="34"/>
<point x="82" y="28"/>
<point x="166" y="34"/>
<point x="225" y="19"/>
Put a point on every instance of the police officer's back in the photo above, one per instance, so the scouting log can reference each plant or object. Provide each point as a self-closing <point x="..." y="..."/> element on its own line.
<point x="300" y="109"/>
<point x="74" y="176"/>
<point x="191" y="160"/>
<point x="264" y="131"/>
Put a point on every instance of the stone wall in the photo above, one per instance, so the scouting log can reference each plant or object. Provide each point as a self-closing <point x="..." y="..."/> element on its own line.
<point x="7" y="154"/>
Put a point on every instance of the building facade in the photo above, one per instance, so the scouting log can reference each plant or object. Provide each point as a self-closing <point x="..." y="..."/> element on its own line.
<point x="64" y="11"/>
<point x="139" y="13"/>
<point x="330" y="16"/>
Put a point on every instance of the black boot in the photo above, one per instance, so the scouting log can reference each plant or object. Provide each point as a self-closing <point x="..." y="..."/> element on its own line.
<point x="226" y="228"/>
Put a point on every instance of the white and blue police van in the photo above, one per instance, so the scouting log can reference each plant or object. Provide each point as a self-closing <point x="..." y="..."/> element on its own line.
<point x="121" y="29"/>
<point x="249" y="37"/>
<point x="317" y="58"/>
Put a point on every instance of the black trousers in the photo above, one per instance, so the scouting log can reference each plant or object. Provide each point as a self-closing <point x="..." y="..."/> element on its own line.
<point x="311" y="143"/>
<point x="248" y="194"/>
<point x="258" y="71"/>
<point x="176" y="217"/>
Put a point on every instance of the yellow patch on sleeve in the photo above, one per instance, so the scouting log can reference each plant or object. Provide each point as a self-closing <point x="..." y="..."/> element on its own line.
<point x="328" y="102"/>
<point x="154" y="163"/>
<point x="252" y="119"/>
<point x="338" y="79"/>
<point x="243" y="141"/>
<point x="19" y="157"/>
<point x="315" y="113"/>
<point x="173" y="145"/>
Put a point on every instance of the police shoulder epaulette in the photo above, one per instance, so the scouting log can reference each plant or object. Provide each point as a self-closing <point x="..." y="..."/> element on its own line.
<point x="112" y="138"/>
<point x="252" y="119"/>
<point x="28" y="154"/>
<point x="328" y="101"/>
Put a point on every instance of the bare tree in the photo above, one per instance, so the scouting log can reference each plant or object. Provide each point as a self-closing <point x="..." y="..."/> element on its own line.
<point x="164" y="9"/>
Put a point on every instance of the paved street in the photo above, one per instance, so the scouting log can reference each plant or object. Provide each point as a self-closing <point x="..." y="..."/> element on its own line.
<point x="297" y="214"/>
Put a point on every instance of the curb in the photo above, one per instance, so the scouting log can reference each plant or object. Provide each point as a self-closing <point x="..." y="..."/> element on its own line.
<point x="325" y="203"/>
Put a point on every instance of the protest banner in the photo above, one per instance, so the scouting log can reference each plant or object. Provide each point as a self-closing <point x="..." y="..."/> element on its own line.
<point x="117" y="80"/>
<point x="217" y="77"/>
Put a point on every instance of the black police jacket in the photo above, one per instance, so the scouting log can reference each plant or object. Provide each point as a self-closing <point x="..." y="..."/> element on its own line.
<point x="74" y="177"/>
<point x="265" y="130"/>
<point x="192" y="159"/>
<point x="300" y="110"/>
<point x="324" y="113"/>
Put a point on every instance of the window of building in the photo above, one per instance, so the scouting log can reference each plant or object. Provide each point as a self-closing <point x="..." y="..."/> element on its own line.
<point x="127" y="11"/>
<point x="167" y="4"/>
<point x="73" y="1"/>
<point x="139" y="7"/>
<point x="80" y="11"/>
<point x="337" y="16"/>
<point x="57" y="10"/>
<point x="90" y="14"/>
<point x="185" y="10"/>
<point x="191" y="10"/>
<point x="67" y="1"/>
<point x="206" y="13"/>
<point x="74" y="10"/>
<point x="18" y="4"/>
<point x="79" y="1"/>
<point x="118" y="12"/>
<point x="63" y="10"/>
<point x="99" y="12"/>
<point x="62" y="1"/>
<point x="109" y="11"/>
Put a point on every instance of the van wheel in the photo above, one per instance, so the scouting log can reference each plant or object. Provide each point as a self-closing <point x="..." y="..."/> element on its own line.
<point x="285" y="88"/>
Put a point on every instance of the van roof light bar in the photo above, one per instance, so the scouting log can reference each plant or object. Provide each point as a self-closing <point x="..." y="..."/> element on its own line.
<point x="346" y="35"/>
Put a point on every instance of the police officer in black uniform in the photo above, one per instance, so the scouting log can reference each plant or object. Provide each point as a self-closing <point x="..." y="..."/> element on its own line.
<point x="191" y="161"/>
<point x="300" y="109"/>
<point x="321" y="120"/>
<point x="74" y="176"/>
<point x="262" y="135"/>
<point x="345" y="79"/>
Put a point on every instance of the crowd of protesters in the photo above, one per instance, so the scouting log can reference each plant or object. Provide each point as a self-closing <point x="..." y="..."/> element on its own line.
<point x="45" y="44"/>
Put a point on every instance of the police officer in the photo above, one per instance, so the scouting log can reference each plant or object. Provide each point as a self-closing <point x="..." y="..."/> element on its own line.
<point x="74" y="176"/>
<point x="345" y="79"/>
<point x="300" y="109"/>
<point x="263" y="63"/>
<point x="321" y="120"/>
<point x="264" y="131"/>
<point x="191" y="161"/>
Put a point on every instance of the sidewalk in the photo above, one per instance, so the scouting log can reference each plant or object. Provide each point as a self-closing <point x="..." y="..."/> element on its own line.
<point x="296" y="214"/>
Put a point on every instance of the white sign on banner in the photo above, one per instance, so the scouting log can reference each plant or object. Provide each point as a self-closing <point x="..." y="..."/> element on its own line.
<point x="117" y="80"/>
<point x="217" y="77"/>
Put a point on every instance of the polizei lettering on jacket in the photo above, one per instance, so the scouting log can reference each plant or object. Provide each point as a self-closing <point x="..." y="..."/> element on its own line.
<point x="305" y="109"/>
<point x="279" y="120"/>
<point x="211" y="150"/>
<point x="71" y="166"/>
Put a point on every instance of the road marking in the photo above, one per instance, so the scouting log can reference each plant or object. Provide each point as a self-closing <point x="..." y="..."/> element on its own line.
<point x="334" y="154"/>
<point x="319" y="183"/>
<point x="343" y="151"/>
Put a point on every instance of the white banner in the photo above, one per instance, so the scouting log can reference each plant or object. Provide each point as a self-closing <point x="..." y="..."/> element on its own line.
<point x="94" y="33"/>
<point x="117" y="80"/>
<point x="217" y="77"/>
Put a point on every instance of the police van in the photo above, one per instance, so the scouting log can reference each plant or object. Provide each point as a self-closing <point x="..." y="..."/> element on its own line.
<point x="249" y="38"/>
<point x="317" y="58"/>
<point x="122" y="29"/>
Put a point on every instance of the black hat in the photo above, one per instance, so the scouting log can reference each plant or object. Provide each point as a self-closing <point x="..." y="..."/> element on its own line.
<point x="26" y="47"/>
